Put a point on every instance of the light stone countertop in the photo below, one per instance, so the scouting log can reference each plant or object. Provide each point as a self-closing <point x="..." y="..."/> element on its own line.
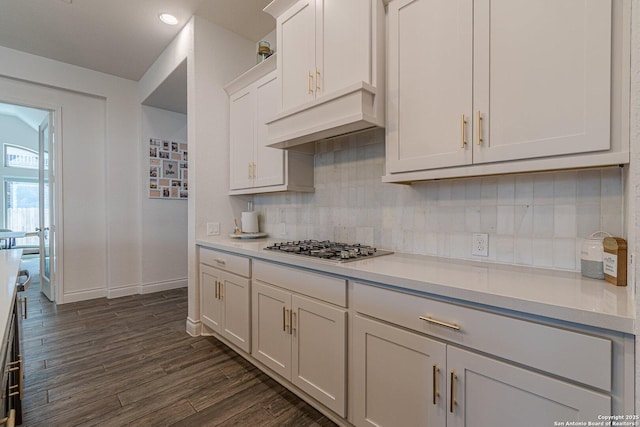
<point x="9" y="267"/>
<point x="561" y="295"/>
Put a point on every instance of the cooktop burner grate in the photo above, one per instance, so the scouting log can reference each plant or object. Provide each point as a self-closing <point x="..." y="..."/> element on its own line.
<point x="328" y="250"/>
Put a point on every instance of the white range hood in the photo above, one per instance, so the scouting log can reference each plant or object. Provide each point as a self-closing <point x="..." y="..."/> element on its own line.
<point x="349" y="110"/>
<point x="331" y="69"/>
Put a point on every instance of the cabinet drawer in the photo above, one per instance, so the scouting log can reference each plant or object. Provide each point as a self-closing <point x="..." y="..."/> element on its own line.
<point x="319" y="286"/>
<point x="224" y="261"/>
<point x="583" y="358"/>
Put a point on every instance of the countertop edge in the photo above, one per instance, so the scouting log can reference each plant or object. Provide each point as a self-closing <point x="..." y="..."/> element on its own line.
<point x="9" y="268"/>
<point x="574" y="315"/>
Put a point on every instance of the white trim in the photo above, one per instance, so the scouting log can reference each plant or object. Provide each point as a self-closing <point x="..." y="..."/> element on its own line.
<point x="57" y="266"/>
<point x="194" y="327"/>
<point x="82" y="296"/>
<point x="146" y="288"/>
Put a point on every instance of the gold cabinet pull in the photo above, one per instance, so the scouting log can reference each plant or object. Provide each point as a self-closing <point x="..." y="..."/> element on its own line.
<point x="287" y="317"/>
<point x="293" y="323"/>
<point x="310" y="91"/>
<point x="220" y="261"/>
<point x="216" y="289"/>
<point x="479" y="128"/>
<point x="253" y="168"/>
<point x="9" y="421"/>
<point x="221" y="292"/>
<point x="16" y="389"/>
<point x="463" y="125"/>
<point x="317" y="80"/>
<point x="23" y="301"/>
<point x="284" y="319"/>
<point x="436" y="393"/>
<point x="440" y="323"/>
<point x="452" y="401"/>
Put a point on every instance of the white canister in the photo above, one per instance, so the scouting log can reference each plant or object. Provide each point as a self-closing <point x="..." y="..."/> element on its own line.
<point x="250" y="222"/>
<point x="591" y="264"/>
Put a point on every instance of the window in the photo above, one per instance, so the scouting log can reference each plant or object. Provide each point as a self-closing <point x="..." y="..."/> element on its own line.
<point x="21" y="206"/>
<point x="20" y="157"/>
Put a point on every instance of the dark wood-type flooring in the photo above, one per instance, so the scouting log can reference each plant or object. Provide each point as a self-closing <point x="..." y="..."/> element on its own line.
<point x="129" y="361"/>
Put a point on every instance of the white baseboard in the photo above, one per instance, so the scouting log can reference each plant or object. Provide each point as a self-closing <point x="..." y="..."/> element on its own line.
<point x="123" y="292"/>
<point x="194" y="327"/>
<point x="146" y="288"/>
<point x="83" y="296"/>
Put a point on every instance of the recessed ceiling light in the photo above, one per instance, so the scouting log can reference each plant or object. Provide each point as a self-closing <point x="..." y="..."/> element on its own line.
<point x="168" y="18"/>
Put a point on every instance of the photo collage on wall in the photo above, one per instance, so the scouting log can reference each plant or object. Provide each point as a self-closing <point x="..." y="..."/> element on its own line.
<point x="168" y="172"/>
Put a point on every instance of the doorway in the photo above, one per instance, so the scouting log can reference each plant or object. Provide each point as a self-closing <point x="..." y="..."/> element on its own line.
<point x="27" y="138"/>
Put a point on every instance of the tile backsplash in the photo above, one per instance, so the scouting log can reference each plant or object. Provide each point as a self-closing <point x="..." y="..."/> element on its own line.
<point x="532" y="219"/>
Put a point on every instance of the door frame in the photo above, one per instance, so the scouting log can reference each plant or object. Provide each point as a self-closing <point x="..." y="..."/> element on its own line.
<point x="57" y="262"/>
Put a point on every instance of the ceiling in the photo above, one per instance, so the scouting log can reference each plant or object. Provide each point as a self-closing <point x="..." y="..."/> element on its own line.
<point x="32" y="117"/>
<point x="118" y="37"/>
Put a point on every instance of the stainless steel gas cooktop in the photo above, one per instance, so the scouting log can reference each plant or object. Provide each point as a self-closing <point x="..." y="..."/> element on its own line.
<point x="327" y="250"/>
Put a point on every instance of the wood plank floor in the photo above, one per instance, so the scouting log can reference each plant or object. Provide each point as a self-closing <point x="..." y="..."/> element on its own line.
<point x="129" y="361"/>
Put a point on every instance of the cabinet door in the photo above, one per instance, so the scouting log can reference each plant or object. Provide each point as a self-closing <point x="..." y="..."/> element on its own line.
<point x="296" y="58"/>
<point x="319" y="351"/>
<point x="399" y="377"/>
<point x="343" y="44"/>
<point x="235" y="297"/>
<point x="430" y="84"/>
<point x="489" y="393"/>
<point x="542" y="77"/>
<point x="269" y="161"/>
<point x="241" y="138"/>
<point x="210" y="303"/>
<point x="271" y="338"/>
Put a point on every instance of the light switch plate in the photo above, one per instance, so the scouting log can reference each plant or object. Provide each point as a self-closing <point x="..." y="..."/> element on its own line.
<point x="480" y="244"/>
<point x="213" y="229"/>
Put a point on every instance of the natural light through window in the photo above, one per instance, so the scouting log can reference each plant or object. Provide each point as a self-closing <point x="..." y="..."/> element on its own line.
<point x="21" y="206"/>
<point x="19" y="157"/>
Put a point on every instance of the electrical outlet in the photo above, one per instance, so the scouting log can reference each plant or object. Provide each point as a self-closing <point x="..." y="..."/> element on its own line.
<point x="480" y="244"/>
<point x="213" y="229"/>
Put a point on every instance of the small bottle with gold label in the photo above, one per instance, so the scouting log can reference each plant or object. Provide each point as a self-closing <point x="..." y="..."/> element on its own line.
<point x="264" y="51"/>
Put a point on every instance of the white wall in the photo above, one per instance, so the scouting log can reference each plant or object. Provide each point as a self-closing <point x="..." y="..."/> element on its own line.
<point x="83" y="228"/>
<point x="101" y="168"/>
<point x="219" y="56"/>
<point x="164" y="222"/>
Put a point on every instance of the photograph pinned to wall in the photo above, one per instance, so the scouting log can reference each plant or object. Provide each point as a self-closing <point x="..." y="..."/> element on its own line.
<point x="168" y="177"/>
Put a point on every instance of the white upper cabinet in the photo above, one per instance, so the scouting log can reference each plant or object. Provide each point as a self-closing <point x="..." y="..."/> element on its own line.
<point x="331" y="69"/>
<point x="505" y="86"/>
<point x="297" y="33"/>
<point x="253" y="166"/>
<point x="542" y="78"/>
<point x="430" y="84"/>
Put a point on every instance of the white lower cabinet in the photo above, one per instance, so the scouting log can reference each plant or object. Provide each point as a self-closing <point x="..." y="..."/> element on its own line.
<point x="225" y="302"/>
<point x="413" y="359"/>
<point x="484" y="392"/>
<point x="303" y="340"/>
<point x="400" y="377"/>
<point x="408" y="378"/>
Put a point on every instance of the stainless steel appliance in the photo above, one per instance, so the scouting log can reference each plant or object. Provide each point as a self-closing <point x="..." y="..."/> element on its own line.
<point x="327" y="250"/>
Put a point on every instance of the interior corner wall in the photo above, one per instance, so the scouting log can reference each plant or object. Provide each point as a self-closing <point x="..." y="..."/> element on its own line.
<point x="219" y="56"/>
<point x="164" y="221"/>
<point x="100" y="170"/>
